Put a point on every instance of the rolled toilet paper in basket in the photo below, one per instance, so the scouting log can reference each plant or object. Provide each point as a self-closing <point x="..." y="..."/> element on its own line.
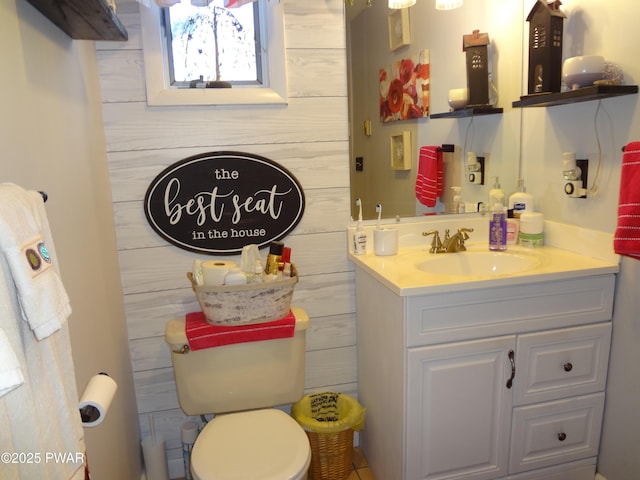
<point x="214" y="271"/>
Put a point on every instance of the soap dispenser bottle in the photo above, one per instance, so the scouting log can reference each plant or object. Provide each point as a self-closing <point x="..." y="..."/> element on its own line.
<point x="458" y="205"/>
<point x="521" y="201"/>
<point x="498" y="226"/>
<point x="495" y="192"/>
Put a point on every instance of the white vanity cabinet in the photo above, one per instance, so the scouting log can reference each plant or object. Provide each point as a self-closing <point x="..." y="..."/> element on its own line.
<point x="484" y="384"/>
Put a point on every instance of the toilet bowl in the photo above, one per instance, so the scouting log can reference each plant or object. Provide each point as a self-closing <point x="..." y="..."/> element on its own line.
<point x="262" y="444"/>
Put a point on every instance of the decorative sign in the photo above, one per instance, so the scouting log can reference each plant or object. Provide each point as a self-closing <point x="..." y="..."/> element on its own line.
<point x="218" y="202"/>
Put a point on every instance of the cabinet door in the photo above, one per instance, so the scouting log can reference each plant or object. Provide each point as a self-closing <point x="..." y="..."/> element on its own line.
<point x="459" y="410"/>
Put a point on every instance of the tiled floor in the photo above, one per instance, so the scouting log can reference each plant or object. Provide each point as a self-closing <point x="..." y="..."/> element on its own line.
<point x="361" y="469"/>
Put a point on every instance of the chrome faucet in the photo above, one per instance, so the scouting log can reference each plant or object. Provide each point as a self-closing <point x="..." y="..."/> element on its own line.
<point x="451" y="243"/>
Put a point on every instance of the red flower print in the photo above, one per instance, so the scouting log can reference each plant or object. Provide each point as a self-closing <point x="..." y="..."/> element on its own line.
<point x="396" y="95"/>
<point x="414" y="111"/>
<point x="406" y="71"/>
<point x="422" y="70"/>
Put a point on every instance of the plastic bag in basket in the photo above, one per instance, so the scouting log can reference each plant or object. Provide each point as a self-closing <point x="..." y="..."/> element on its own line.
<point x="328" y="412"/>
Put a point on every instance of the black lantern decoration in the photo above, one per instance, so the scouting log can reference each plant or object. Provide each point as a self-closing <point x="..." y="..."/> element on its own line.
<point x="546" y="23"/>
<point x="475" y="46"/>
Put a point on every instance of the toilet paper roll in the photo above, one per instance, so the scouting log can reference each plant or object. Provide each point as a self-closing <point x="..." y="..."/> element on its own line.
<point x="214" y="271"/>
<point x="96" y="399"/>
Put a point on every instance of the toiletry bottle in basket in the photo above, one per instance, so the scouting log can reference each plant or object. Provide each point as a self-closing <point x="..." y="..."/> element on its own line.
<point x="274" y="259"/>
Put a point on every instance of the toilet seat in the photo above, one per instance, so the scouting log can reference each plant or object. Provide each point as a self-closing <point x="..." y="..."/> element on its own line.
<point x="259" y="444"/>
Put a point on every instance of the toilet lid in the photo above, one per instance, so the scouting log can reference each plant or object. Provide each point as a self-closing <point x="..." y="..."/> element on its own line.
<point x="260" y="444"/>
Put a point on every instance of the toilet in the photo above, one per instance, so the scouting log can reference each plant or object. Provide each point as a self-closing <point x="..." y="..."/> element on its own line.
<point x="241" y="384"/>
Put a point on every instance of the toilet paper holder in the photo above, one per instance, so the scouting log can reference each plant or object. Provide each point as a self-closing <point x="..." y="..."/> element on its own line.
<point x="96" y="399"/>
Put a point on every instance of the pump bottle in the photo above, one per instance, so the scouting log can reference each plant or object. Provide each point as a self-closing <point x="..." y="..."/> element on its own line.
<point x="498" y="226"/>
<point x="495" y="192"/>
<point x="521" y="201"/>
<point x="458" y="205"/>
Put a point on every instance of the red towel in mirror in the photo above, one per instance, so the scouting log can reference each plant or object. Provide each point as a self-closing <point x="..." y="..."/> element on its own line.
<point x="201" y="334"/>
<point x="429" y="177"/>
<point x="627" y="237"/>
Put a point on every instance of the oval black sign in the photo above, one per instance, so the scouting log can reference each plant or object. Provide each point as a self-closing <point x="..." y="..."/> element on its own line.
<point x="218" y="202"/>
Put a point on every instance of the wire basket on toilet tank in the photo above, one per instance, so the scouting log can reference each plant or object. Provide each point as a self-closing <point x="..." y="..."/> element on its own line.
<point x="246" y="304"/>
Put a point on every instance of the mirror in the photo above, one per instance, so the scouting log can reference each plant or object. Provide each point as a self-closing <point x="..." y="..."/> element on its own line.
<point x="496" y="137"/>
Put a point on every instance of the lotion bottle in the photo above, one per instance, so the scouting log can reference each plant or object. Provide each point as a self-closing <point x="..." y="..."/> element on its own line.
<point x="498" y="226"/>
<point x="521" y="201"/>
<point x="359" y="237"/>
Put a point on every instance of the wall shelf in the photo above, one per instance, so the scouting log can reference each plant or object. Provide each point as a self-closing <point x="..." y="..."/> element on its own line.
<point x="583" y="94"/>
<point x="468" y="112"/>
<point x="83" y="19"/>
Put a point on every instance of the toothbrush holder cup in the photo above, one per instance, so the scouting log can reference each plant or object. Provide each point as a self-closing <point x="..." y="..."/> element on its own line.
<point x="385" y="241"/>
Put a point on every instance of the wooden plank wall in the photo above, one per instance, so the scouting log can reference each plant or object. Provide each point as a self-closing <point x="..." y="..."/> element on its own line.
<point x="309" y="137"/>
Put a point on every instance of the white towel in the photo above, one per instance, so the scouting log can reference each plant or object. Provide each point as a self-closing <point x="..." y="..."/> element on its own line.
<point x="41" y="414"/>
<point x="25" y="243"/>
<point x="10" y="372"/>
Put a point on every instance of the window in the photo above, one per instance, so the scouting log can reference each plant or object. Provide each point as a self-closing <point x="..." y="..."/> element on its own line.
<point x="209" y="45"/>
<point x="187" y="49"/>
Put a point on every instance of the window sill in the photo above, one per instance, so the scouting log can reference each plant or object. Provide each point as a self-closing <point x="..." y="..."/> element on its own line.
<point x="214" y="96"/>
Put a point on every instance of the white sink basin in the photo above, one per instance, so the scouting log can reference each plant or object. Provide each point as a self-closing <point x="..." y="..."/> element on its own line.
<point x="478" y="263"/>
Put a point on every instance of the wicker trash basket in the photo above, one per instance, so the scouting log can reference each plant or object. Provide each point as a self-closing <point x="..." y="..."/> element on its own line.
<point x="329" y="420"/>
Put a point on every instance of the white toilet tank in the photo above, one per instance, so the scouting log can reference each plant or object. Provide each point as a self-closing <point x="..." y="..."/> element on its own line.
<point x="242" y="376"/>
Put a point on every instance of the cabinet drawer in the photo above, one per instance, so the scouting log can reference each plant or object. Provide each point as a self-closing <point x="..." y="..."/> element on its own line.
<point x="555" y="432"/>
<point x="579" y="470"/>
<point x="457" y="316"/>
<point x="560" y="363"/>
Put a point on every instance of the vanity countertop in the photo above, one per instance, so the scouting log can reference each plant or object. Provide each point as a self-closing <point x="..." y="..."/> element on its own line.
<point x="569" y="252"/>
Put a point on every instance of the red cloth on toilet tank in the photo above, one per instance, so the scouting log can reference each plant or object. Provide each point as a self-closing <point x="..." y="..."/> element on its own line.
<point x="201" y="334"/>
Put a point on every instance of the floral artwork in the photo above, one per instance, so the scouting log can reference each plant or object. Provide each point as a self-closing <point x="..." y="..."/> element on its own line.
<point x="404" y="89"/>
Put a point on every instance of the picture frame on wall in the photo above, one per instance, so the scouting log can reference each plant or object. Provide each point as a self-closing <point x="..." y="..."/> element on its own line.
<point x="404" y="88"/>
<point x="401" y="151"/>
<point x="399" y="30"/>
